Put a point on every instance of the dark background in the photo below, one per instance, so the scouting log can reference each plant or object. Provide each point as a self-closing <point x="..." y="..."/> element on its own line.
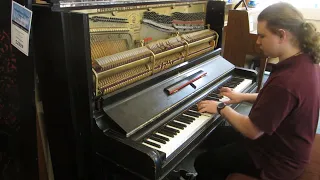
<point x="18" y="152"/>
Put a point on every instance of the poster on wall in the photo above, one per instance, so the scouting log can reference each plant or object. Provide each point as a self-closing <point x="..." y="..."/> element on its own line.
<point x="20" y="27"/>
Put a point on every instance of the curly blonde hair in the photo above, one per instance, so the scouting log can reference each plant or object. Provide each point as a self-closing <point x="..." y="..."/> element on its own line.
<point x="285" y="16"/>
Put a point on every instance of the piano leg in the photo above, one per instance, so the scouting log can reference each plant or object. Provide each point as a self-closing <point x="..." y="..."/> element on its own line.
<point x="111" y="172"/>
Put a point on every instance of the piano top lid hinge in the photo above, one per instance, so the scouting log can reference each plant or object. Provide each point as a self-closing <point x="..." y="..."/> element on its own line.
<point x="98" y="104"/>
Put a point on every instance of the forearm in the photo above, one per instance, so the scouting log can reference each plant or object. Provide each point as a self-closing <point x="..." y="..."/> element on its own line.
<point x="249" y="97"/>
<point x="241" y="123"/>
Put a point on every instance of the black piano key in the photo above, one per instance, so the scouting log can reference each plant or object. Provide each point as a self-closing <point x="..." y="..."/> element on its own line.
<point x="161" y="137"/>
<point x="187" y="121"/>
<point x="231" y="86"/>
<point x="238" y="79"/>
<point x="151" y="143"/>
<point x="157" y="139"/>
<point x="183" y="120"/>
<point x="177" y="125"/>
<point x="194" y="108"/>
<point x="235" y="82"/>
<point x="197" y="113"/>
<point x="175" y="131"/>
<point x="217" y="91"/>
<point x="166" y="132"/>
<point x="217" y="95"/>
<point x="187" y="117"/>
<point x="191" y="114"/>
<point x="215" y="98"/>
<point x="212" y="98"/>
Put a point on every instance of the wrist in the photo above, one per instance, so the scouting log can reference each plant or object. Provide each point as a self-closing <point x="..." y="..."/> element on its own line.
<point x="220" y="107"/>
<point x="223" y="111"/>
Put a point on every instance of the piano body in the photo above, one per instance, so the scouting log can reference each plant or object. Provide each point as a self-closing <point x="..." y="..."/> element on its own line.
<point x="119" y="82"/>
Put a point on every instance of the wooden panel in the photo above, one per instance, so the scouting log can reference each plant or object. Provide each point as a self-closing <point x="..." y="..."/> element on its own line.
<point x="252" y="47"/>
<point x="237" y="34"/>
<point x="239" y="42"/>
<point x="43" y="175"/>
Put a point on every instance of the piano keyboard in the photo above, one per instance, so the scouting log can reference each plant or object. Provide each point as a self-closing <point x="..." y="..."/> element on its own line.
<point x="174" y="133"/>
<point x="237" y="84"/>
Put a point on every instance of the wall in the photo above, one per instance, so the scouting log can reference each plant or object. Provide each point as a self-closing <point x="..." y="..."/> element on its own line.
<point x="312" y="15"/>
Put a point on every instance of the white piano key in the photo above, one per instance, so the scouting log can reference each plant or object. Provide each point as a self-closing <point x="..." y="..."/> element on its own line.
<point x="243" y="85"/>
<point x="163" y="135"/>
<point x="174" y="128"/>
<point x="180" y="122"/>
<point x="203" y="114"/>
<point x="175" y="142"/>
<point x="239" y="88"/>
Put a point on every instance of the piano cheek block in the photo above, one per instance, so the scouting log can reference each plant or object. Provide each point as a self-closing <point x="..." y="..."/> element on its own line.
<point x="185" y="82"/>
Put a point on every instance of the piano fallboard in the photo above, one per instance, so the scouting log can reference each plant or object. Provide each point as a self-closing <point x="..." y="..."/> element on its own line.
<point x="138" y="110"/>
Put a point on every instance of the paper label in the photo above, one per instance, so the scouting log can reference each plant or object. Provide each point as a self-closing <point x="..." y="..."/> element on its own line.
<point x="20" y="27"/>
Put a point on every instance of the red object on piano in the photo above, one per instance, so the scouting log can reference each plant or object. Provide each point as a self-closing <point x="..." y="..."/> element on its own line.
<point x="185" y="82"/>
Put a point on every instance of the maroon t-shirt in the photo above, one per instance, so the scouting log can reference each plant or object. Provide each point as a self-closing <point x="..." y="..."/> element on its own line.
<point x="287" y="111"/>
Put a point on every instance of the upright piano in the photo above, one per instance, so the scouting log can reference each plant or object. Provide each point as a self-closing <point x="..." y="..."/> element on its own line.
<point x="120" y="80"/>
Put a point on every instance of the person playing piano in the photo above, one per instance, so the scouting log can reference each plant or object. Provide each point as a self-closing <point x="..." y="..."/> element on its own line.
<point x="275" y="139"/>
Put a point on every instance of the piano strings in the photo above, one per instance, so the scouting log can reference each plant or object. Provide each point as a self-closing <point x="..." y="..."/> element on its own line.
<point x="101" y="47"/>
<point x="121" y="69"/>
<point x="181" y="22"/>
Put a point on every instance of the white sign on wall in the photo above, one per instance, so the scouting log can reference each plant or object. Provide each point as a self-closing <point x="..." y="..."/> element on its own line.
<point x="20" y="27"/>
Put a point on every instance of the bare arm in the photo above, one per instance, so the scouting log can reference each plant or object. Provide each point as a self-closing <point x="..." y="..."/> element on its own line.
<point x="249" y="97"/>
<point x="241" y="123"/>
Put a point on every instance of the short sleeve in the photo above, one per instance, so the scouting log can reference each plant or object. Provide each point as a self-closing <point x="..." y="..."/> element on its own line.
<point x="271" y="108"/>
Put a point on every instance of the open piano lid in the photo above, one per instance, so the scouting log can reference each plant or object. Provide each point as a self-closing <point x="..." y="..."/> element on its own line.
<point x="94" y="3"/>
<point x="136" y="111"/>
